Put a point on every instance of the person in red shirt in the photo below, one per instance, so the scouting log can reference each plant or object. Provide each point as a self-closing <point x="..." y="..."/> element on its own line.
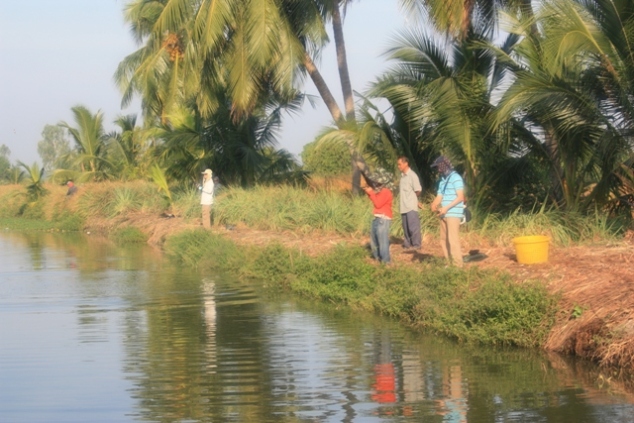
<point x="381" y="198"/>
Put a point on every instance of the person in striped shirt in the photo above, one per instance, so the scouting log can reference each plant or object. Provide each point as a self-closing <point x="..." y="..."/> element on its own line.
<point x="449" y="205"/>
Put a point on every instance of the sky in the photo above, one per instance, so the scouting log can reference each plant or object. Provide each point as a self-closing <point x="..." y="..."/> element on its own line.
<point x="57" y="54"/>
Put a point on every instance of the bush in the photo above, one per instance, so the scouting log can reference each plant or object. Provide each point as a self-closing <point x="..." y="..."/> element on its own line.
<point x="327" y="158"/>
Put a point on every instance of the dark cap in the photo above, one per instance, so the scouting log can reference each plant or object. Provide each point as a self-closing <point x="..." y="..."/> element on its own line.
<point x="382" y="177"/>
<point x="440" y="160"/>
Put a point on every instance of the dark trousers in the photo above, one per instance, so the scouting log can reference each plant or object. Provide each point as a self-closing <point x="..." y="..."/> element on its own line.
<point x="411" y="229"/>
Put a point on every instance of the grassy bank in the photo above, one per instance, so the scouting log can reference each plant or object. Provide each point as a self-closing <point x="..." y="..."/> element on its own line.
<point x="282" y="208"/>
<point x="472" y="305"/>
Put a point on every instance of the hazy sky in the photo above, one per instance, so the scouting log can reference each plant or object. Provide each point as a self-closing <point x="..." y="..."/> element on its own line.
<point x="56" y="54"/>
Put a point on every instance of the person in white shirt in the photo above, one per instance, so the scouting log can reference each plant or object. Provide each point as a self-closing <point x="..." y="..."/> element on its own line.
<point x="409" y="190"/>
<point x="207" y="197"/>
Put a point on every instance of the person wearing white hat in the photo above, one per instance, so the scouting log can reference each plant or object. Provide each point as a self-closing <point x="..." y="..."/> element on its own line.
<point x="207" y="197"/>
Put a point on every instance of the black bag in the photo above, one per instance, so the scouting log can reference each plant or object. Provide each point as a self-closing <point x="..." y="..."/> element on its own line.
<point x="466" y="215"/>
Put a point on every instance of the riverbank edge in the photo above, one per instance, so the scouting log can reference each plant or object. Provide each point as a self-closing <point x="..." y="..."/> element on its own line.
<point x="606" y="341"/>
<point x="474" y="305"/>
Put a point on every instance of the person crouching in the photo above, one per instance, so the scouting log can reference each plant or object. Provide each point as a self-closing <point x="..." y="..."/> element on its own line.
<point x="381" y="198"/>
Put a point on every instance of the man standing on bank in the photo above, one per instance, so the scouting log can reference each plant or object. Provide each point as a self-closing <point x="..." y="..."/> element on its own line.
<point x="449" y="205"/>
<point x="207" y="197"/>
<point x="409" y="190"/>
<point x="381" y="198"/>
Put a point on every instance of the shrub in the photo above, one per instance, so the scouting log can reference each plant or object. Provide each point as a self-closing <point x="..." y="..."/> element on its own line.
<point x="326" y="158"/>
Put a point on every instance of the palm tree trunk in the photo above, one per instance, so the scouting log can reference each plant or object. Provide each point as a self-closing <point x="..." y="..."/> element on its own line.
<point x="359" y="165"/>
<point x="324" y="91"/>
<point x="342" y="62"/>
<point x="556" y="177"/>
<point x="346" y="86"/>
<point x="467" y="12"/>
<point x="526" y="10"/>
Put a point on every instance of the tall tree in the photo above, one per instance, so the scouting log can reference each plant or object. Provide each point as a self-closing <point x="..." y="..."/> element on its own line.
<point x="53" y="148"/>
<point x="5" y="164"/>
<point x="456" y="17"/>
<point x="252" y="48"/>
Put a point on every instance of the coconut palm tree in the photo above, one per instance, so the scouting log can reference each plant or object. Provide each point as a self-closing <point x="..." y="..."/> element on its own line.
<point x="456" y="17"/>
<point x="441" y="91"/>
<point x="90" y="143"/>
<point x="239" y="151"/>
<point x="252" y="49"/>
<point x="34" y="178"/>
<point x="573" y="87"/>
<point x="126" y="149"/>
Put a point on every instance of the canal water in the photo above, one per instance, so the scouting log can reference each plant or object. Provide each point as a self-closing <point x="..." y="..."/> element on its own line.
<point x="91" y="332"/>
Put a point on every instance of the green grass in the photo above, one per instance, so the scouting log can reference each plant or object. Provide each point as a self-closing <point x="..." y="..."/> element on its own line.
<point x="471" y="305"/>
<point x="128" y="235"/>
<point x="564" y="228"/>
<point x="22" y="224"/>
<point x="300" y="210"/>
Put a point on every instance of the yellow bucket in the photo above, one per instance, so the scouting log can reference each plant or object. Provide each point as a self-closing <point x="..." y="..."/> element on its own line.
<point x="531" y="249"/>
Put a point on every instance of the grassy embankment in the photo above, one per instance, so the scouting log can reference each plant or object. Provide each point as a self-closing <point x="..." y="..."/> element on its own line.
<point x="470" y="305"/>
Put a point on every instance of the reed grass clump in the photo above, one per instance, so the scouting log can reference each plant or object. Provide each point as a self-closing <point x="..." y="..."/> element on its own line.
<point x="111" y="199"/>
<point x="292" y="208"/>
<point x="288" y="208"/>
<point x="12" y="198"/>
<point x="563" y="228"/>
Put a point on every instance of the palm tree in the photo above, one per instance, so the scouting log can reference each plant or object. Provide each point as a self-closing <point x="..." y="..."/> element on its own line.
<point x="239" y="151"/>
<point x="126" y="148"/>
<point x="90" y="143"/>
<point x="440" y="92"/>
<point x="456" y="17"/>
<point x="572" y="87"/>
<point x="34" y="176"/>
<point x="254" y="48"/>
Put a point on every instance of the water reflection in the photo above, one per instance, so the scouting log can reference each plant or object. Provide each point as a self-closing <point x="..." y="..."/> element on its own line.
<point x="102" y="333"/>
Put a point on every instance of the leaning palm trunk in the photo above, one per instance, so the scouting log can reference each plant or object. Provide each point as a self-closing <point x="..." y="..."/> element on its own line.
<point x="342" y="62"/>
<point x="346" y="88"/>
<point x="324" y="91"/>
<point x="358" y="163"/>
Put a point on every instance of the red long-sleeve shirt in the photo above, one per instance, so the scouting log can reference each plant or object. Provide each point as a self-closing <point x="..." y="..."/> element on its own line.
<point x="382" y="202"/>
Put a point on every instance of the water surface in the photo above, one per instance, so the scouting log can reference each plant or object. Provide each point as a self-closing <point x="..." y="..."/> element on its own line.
<point x="91" y="332"/>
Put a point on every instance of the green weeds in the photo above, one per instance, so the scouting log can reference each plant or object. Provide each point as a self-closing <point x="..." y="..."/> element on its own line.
<point x="472" y="305"/>
<point x="129" y="235"/>
<point x="296" y="209"/>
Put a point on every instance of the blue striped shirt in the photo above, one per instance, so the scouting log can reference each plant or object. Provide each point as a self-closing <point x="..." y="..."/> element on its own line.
<point x="447" y="188"/>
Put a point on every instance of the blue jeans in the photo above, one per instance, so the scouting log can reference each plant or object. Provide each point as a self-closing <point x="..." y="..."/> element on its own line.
<point x="380" y="239"/>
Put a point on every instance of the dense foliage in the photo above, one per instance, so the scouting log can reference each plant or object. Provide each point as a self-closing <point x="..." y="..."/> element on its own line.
<point x="531" y="100"/>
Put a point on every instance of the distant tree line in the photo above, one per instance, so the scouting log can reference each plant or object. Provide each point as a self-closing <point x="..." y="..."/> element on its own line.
<point x="533" y="101"/>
